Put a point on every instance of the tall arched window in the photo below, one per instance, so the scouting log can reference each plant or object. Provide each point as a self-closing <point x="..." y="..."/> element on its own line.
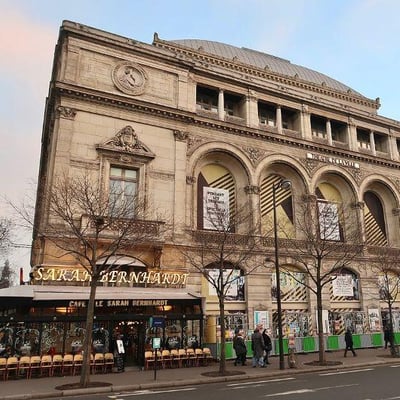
<point x="216" y="197"/>
<point x="374" y="220"/>
<point x="284" y="207"/>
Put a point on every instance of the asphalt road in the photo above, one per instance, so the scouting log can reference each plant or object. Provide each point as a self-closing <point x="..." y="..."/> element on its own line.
<point x="369" y="383"/>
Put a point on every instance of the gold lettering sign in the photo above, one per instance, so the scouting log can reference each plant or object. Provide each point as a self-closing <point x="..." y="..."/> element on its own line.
<point x="151" y="278"/>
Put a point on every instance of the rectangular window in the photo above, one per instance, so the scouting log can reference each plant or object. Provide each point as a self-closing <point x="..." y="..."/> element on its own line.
<point x="363" y="140"/>
<point x="207" y="99"/>
<point x="266" y="114"/>
<point x="318" y="127"/>
<point x="122" y="192"/>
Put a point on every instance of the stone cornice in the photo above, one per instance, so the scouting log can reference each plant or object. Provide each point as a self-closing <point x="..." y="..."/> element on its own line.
<point x="231" y="128"/>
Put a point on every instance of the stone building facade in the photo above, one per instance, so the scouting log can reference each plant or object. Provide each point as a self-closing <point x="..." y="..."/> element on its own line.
<point x="179" y="117"/>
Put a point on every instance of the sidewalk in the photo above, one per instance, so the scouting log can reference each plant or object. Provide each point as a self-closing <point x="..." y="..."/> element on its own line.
<point x="134" y="379"/>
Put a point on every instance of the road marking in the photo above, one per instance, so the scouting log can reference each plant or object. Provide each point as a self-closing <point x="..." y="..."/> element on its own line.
<point x="346" y="372"/>
<point x="395" y="366"/>
<point x="258" y="382"/>
<point x="306" y="390"/>
<point x="144" y="392"/>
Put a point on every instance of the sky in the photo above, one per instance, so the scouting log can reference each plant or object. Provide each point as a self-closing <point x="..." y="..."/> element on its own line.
<point x="353" y="41"/>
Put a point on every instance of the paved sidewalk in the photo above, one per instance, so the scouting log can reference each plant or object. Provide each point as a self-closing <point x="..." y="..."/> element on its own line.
<point x="134" y="379"/>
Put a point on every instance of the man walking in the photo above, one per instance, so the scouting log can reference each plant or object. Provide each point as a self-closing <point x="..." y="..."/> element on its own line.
<point x="257" y="345"/>
<point x="348" y="338"/>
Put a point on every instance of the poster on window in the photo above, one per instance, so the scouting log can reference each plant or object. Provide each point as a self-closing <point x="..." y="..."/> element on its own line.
<point x="235" y="289"/>
<point x="261" y="318"/>
<point x="328" y="215"/>
<point x="374" y="320"/>
<point x="342" y="285"/>
<point x="215" y="208"/>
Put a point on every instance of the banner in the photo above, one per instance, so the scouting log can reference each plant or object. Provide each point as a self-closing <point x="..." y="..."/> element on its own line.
<point x="328" y="215"/>
<point x="342" y="285"/>
<point x="215" y="208"/>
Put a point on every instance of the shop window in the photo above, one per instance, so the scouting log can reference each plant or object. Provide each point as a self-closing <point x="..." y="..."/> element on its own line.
<point x="122" y="191"/>
<point x="374" y="220"/>
<point x="339" y="131"/>
<point x="207" y="99"/>
<point x="266" y="114"/>
<point x="318" y="127"/>
<point x="363" y="139"/>
<point x="216" y="198"/>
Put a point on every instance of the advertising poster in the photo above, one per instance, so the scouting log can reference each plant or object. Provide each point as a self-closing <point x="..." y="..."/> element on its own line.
<point x="342" y="285"/>
<point x="216" y="208"/>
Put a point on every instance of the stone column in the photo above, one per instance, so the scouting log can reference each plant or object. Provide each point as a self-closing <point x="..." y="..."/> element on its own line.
<point x="305" y="123"/>
<point x="279" y="118"/>
<point x="372" y="142"/>
<point x="352" y="135"/>
<point x="252" y="110"/>
<point x="329" y="132"/>
<point x="221" y="106"/>
<point x="253" y="193"/>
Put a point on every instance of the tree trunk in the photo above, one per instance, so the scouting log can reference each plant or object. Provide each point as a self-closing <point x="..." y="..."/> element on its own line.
<point x="87" y="344"/>
<point x="321" y="341"/>
<point x="222" y="362"/>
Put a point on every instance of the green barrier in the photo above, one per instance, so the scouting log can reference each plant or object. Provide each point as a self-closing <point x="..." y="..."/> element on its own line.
<point x="357" y="341"/>
<point x="332" y="343"/>
<point x="309" y="344"/>
<point x="396" y="337"/>
<point x="229" y="352"/>
<point x="376" y="339"/>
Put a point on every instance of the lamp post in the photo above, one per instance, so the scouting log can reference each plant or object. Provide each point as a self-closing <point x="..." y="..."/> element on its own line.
<point x="285" y="185"/>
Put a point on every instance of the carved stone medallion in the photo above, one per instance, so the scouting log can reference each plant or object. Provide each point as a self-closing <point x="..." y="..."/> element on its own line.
<point x="130" y="78"/>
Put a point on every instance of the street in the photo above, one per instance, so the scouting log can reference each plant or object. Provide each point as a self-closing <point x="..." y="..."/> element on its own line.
<point x="369" y="383"/>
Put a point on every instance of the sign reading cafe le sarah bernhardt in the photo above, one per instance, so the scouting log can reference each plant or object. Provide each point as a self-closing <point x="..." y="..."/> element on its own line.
<point x="156" y="278"/>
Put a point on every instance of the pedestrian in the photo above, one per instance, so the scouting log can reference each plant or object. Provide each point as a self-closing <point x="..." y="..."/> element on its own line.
<point x="240" y="348"/>
<point x="257" y="345"/>
<point x="348" y="338"/>
<point x="267" y="344"/>
<point x="387" y="333"/>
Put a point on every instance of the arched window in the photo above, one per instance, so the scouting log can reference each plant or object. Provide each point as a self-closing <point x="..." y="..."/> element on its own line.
<point x="345" y="286"/>
<point x="216" y="197"/>
<point x="330" y="217"/>
<point x="292" y="284"/>
<point x="374" y="220"/>
<point x="284" y="207"/>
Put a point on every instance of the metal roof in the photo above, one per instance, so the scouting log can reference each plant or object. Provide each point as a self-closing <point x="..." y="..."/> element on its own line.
<point x="263" y="61"/>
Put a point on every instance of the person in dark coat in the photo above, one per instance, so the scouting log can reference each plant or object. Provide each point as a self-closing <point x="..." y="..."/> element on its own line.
<point x="348" y="338"/>
<point x="268" y="345"/>
<point x="387" y="333"/>
<point x="240" y="348"/>
<point x="257" y="345"/>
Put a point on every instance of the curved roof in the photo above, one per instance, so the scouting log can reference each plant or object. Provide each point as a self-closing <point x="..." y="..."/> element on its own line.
<point x="263" y="60"/>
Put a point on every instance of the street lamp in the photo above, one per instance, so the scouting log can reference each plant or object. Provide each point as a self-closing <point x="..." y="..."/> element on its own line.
<point x="285" y="185"/>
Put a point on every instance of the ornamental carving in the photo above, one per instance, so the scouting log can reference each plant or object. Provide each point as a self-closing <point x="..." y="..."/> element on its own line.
<point x="193" y="142"/>
<point x="127" y="141"/>
<point x="359" y="205"/>
<point x="310" y="165"/>
<point x="254" y="154"/>
<point x="180" y="136"/>
<point x="190" y="180"/>
<point x="252" y="189"/>
<point x="129" y="78"/>
<point x="66" y="112"/>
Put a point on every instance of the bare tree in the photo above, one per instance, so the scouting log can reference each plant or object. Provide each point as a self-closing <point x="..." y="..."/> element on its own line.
<point x="94" y="227"/>
<point x="5" y="235"/>
<point x="386" y="269"/>
<point x="224" y="257"/>
<point x="324" y="250"/>
<point x="7" y="276"/>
